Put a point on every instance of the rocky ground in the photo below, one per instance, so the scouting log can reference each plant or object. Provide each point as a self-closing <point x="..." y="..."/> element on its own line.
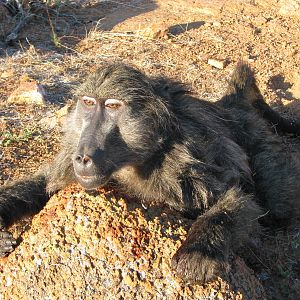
<point x="94" y="246"/>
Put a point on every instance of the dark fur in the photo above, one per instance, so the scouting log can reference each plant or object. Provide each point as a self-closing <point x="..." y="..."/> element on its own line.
<point x="275" y="166"/>
<point x="243" y="81"/>
<point x="198" y="157"/>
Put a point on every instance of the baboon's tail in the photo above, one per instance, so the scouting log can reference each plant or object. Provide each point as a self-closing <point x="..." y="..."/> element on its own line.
<point x="243" y="92"/>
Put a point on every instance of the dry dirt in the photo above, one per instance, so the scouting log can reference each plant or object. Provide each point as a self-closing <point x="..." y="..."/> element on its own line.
<point x="61" y="44"/>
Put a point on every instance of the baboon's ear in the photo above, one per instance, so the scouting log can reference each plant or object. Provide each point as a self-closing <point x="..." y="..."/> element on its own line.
<point x="169" y="89"/>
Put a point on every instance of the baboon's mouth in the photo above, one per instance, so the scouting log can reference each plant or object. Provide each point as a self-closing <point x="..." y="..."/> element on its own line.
<point x="91" y="182"/>
<point x="87" y="178"/>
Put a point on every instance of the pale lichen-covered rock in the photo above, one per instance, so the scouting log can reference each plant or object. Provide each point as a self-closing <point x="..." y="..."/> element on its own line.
<point x="101" y="247"/>
<point x="28" y="92"/>
<point x="56" y="118"/>
<point x="219" y="64"/>
<point x="154" y="31"/>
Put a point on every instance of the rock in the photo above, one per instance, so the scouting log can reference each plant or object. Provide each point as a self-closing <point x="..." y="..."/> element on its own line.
<point x="289" y="7"/>
<point x="28" y="92"/>
<point x="155" y="31"/>
<point x="101" y="247"/>
<point x="63" y="112"/>
<point x="219" y="64"/>
<point x="210" y="11"/>
<point x="7" y="74"/>
<point x="57" y="118"/>
<point x="49" y="122"/>
<point x="217" y="24"/>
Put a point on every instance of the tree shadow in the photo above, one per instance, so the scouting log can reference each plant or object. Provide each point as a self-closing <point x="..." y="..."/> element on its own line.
<point x="70" y="22"/>
<point x="281" y="87"/>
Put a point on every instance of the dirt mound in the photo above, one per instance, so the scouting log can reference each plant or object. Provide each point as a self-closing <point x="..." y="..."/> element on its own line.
<point x="86" y="247"/>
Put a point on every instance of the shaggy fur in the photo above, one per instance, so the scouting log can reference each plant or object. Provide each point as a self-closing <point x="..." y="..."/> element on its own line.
<point x="275" y="166"/>
<point x="207" y="160"/>
<point x="243" y="83"/>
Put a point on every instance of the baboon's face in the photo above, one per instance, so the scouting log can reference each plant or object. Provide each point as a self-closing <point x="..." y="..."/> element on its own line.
<point x="118" y="117"/>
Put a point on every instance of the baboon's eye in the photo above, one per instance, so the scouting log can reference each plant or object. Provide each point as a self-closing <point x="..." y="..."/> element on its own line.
<point x="89" y="101"/>
<point x="113" y="103"/>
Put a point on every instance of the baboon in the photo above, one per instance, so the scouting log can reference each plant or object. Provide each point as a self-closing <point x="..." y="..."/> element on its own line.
<point x="214" y="162"/>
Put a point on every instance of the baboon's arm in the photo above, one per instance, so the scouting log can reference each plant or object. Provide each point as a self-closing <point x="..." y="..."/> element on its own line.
<point x="29" y="196"/>
<point x="21" y="198"/>
<point x="16" y="200"/>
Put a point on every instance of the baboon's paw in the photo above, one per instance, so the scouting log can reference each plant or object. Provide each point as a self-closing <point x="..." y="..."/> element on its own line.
<point x="7" y="243"/>
<point x="193" y="266"/>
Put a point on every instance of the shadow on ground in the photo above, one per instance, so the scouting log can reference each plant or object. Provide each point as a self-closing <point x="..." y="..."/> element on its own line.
<point x="281" y="87"/>
<point x="63" y="23"/>
<point x="181" y="28"/>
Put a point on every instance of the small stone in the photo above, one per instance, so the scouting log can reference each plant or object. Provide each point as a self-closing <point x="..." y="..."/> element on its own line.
<point x="156" y="263"/>
<point x="259" y="21"/>
<point x="216" y="24"/>
<point x="56" y="118"/>
<point x="28" y="93"/>
<point x="206" y="11"/>
<point x="7" y="74"/>
<point x="148" y="287"/>
<point x="219" y="64"/>
<point x="155" y="31"/>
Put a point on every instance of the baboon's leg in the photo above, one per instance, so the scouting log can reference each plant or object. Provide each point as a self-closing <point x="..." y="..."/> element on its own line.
<point x="283" y="124"/>
<point x="276" y="170"/>
<point x="243" y="92"/>
<point x="204" y="253"/>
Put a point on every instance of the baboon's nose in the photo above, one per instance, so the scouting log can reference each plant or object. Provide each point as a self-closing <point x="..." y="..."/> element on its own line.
<point x="83" y="161"/>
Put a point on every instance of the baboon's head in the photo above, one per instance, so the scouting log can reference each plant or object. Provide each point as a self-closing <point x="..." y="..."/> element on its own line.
<point x="120" y="120"/>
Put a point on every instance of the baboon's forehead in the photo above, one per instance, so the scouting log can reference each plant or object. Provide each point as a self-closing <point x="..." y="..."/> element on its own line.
<point x="116" y="80"/>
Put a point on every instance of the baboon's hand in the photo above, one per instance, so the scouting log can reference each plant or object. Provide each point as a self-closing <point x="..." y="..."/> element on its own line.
<point x="193" y="265"/>
<point x="7" y="241"/>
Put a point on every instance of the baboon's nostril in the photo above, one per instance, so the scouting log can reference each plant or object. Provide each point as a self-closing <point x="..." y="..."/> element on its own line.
<point x="86" y="160"/>
<point x="78" y="159"/>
